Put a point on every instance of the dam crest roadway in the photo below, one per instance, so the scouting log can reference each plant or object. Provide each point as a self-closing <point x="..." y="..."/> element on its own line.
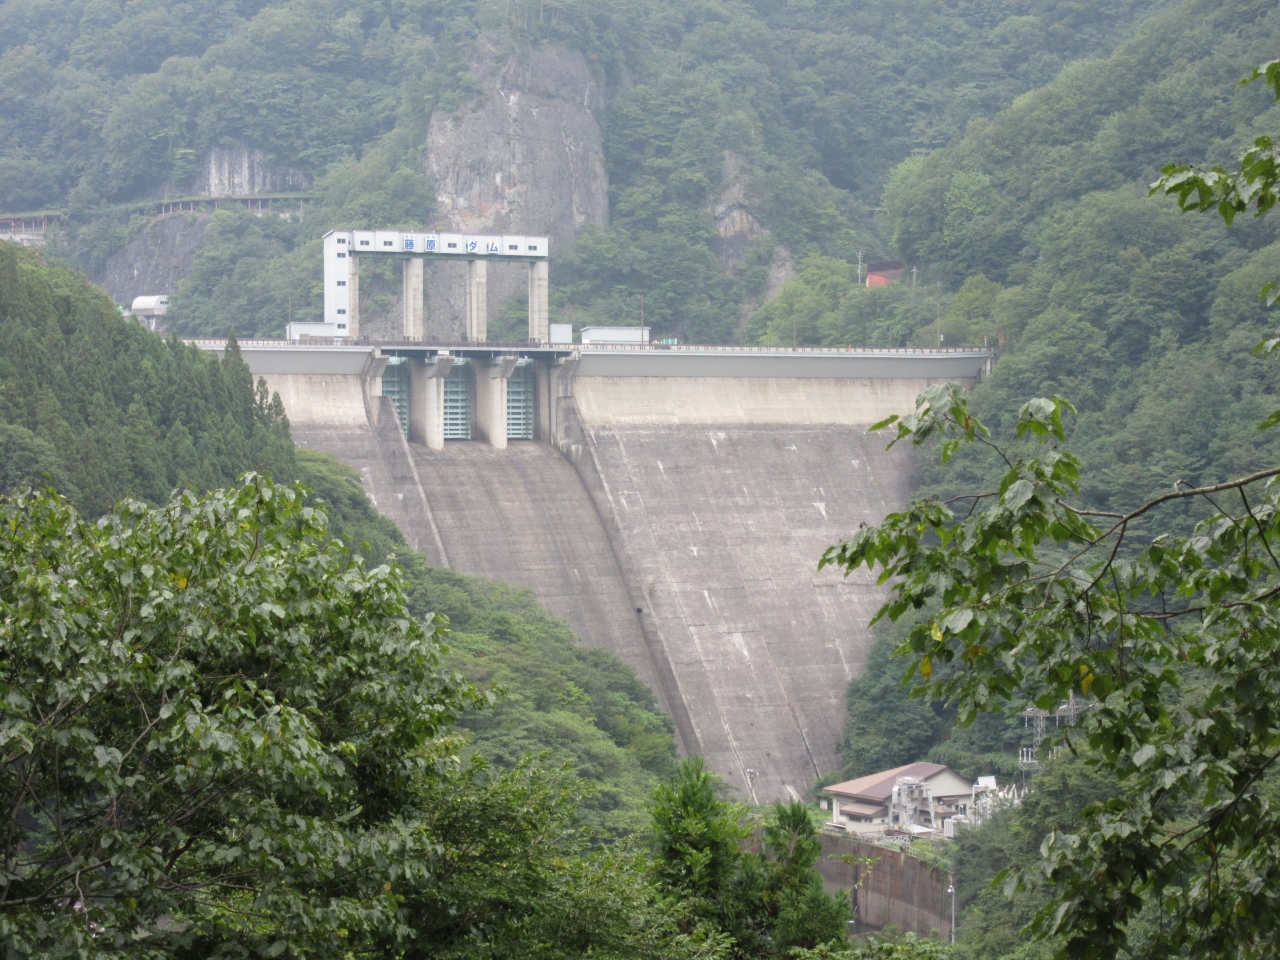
<point x="670" y="503"/>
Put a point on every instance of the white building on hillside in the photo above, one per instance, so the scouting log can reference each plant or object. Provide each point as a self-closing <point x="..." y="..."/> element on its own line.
<point x="915" y="799"/>
<point x="148" y="310"/>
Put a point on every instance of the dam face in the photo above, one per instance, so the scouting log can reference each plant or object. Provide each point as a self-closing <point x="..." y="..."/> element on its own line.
<point x="672" y="509"/>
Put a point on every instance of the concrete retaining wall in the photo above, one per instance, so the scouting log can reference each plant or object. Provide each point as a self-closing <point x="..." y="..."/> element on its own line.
<point x="896" y="890"/>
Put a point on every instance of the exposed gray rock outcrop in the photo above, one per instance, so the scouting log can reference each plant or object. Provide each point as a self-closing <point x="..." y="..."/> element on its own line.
<point x="239" y="169"/>
<point x="156" y="260"/>
<point x="740" y="232"/>
<point x="525" y="158"/>
<point x="737" y="226"/>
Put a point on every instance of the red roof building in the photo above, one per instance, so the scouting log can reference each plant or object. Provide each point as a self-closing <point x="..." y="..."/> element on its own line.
<point x="884" y="273"/>
<point x="927" y="794"/>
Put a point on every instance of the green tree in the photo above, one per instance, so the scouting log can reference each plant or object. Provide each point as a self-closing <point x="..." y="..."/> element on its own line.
<point x="970" y="320"/>
<point x="805" y="914"/>
<point x="907" y="947"/>
<point x="27" y="460"/>
<point x="514" y="873"/>
<point x="1174" y="644"/>
<point x="126" y="412"/>
<point x="766" y="902"/>
<point x="1255" y="183"/>
<point x="225" y="735"/>
<point x="697" y="835"/>
<point x="213" y="720"/>
<point x="700" y="859"/>
<point x="992" y="924"/>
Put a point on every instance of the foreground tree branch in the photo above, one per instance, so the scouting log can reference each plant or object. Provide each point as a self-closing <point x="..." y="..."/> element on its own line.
<point x="1186" y="717"/>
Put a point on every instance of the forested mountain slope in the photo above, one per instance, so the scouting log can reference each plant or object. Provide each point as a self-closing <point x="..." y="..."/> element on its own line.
<point x="755" y="124"/>
<point x="1144" y="317"/>
<point x="1039" y="218"/>
<point x="106" y="410"/>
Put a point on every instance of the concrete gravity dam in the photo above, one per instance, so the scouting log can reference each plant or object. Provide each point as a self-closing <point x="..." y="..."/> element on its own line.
<point x="670" y="503"/>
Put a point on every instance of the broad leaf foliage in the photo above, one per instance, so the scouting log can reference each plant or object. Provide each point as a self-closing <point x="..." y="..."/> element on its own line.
<point x="1255" y="184"/>
<point x="1172" y="641"/>
<point x="211" y="722"/>
<point x="225" y="736"/>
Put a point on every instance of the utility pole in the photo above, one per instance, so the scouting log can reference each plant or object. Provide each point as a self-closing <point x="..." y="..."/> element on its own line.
<point x="859" y="268"/>
<point x="951" y="889"/>
<point x="914" y="271"/>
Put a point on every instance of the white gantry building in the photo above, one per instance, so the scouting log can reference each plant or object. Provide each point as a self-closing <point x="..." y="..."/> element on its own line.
<point x="344" y="248"/>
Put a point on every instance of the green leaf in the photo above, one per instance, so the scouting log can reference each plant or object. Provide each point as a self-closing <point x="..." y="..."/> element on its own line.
<point x="1018" y="493"/>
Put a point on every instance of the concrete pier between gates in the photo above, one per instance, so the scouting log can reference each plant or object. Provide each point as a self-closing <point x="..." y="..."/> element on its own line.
<point x="491" y="399"/>
<point x="672" y="508"/>
<point x="426" y="400"/>
<point x="353" y="285"/>
<point x="539" y="308"/>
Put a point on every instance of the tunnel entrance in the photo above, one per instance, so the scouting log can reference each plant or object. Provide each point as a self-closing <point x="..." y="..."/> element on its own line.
<point x="520" y="390"/>
<point x="457" y="401"/>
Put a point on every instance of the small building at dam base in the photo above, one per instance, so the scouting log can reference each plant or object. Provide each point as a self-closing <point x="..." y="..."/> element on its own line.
<point x="670" y="503"/>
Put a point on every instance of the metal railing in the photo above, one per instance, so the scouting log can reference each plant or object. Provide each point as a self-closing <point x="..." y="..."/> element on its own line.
<point x="613" y="347"/>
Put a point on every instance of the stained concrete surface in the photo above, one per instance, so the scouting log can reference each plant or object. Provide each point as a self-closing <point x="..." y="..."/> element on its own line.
<point x="520" y="515"/>
<point x="723" y="527"/>
<point x="689" y="550"/>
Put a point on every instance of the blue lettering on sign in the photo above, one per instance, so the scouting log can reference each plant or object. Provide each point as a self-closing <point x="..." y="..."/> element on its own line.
<point x="471" y="245"/>
<point x="493" y="246"/>
<point x="408" y="243"/>
<point x="431" y="244"/>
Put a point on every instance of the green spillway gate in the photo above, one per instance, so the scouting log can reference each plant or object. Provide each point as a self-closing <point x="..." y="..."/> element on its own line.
<point x="395" y="387"/>
<point x="520" y="389"/>
<point x="457" y="402"/>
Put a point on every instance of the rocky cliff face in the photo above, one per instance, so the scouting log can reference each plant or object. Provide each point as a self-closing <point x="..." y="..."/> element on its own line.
<point x="238" y="170"/>
<point x="156" y="260"/>
<point x="526" y="158"/>
<point x="160" y="256"/>
<point x="736" y="225"/>
<point x="740" y="232"/>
